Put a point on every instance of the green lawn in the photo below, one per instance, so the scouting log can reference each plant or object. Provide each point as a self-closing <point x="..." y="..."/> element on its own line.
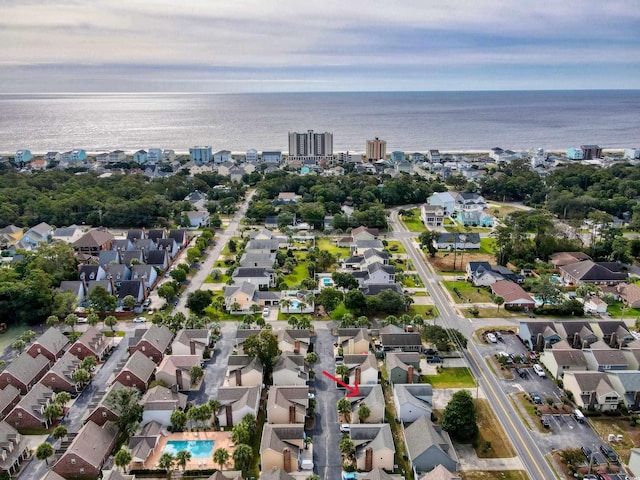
<point x="225" y="250"/>
<point x="493" y="313"/>
<point x="487" y="245"/>
<point x="412" y="281"/>
<point x="470" y="294"/>
<point x="395" y="246"/>
<point x="325" y="243"/>
<point x="424" y="310"/>
<point x="616" y="312"/>
<point x="413" y="221"/>
<point x="299" y="273"/>
<point x="451" y="378"/>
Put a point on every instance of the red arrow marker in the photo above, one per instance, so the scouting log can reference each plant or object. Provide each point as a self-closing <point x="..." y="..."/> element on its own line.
<point x="353" y="391"/>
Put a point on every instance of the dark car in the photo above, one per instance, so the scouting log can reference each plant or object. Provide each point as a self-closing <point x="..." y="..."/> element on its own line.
<point x="430" y="351"/>
<point x="545" y="422"/>
<point x="587" y="452"/>
<point x="535" y="398"/>
<point x="609" y="453"/>
<point x="435" y="359"/>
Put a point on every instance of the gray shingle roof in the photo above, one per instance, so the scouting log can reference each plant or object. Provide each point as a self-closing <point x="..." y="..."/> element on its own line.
<point x="140" y="365"/>
<point x="25" y="367"/>
<point x="279" y="437"/>
<point x="53" y="340"/>
<point x="422" y="435"/>
<point x="162" y="398"/>
<point x="93" y="443"/>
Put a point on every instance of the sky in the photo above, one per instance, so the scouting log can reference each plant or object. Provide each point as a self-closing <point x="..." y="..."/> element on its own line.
<point x="329" y="45"/>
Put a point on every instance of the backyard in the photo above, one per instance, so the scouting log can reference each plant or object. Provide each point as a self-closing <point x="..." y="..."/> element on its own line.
<point x="457" y="377"/>
<point x="413" y="222"/>
<point x="467" y="292"/>
<point x="325" y="244"/>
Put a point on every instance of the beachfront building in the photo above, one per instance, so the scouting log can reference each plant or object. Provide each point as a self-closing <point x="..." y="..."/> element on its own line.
<point x="274" y="157"/>
<point x="200" y="155"/>
<point x="397" y="156"/>
<point x="141" y="157"/>
<point x="632" y="154"/>
<point x="251" y="155"/>
<point x="222" y="156"/>
<point x="154" y="155"/>
<point x="590" y="152"/>
<point x="21" y="157"/>
<point x="376" y="149"/>
<point x="574" y="153"/>
<point x="310" y="144"/>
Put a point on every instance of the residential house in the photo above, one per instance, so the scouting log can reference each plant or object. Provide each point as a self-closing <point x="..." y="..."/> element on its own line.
<point x="445" y="200"/>
<point x="236" y="402"/>
<point x="200" y="155"/>
<point x="364" y="233"/>
<point x="474" y="218"/>
<point x="169" y="245"/>
<point x="175" y="371"/>
<point x="91" y="273"/>
<point x="595" y="305"/>
<point x="197" y="218"/>
<point x="441" y="473"/>
<point x="92" y="343"/>
<point x="144" y="272"/>
<point x="432" y="215"/>
<point x="458" y="241"/>
<point x="575" y="153"/>
<point x="294" y="341"/>
<point x="222" y="156"/>
<point x="21" y="157"/>
<point x="358" y="262"/>
<point x="577" y="334"/>
<point x="281" y="446"/>
<point x="287" y="404"/>
<point x="271" y="157"/>
<point x="28" y="414"/>
<point x="290" y="369"/>
<point x="243" y="371"/>
<point x="137" y="372"/>
<point x="405" y="341"/>
<point x="428" y="446"/>
<point x="403" y="367"/>
<point x="363" y="369"/>
<point x="67" y="234"/>
<point x="59" y="378"/>
<point x="587" y="271"/>
<point x="560" y="259"/>
<point x="180" y="237"/>
<point x="152" y="342"/>
<point x="93" y="242"/>
<point x="627" y="385"/>
<point x="24" y="371"/>
<point x="51" y="344"/>
<point x="481" y="274"/>
<point x="353" y="340"/>
<point x="134" y="288"/>
<point x="117" y="156"/>
<point x="632" y="352"/>
<point x="376" y="273"/>
<point x="359" y="246"/>
<point x="374" y="446"/>
<point x="613" y="332"/>
<point x="562" y="358"/>
<point x="273" y="474"/>
<point x="256" y="245"/>
<point x="10" y="235"/>
<point x="154" y="155"/>
<point x="117" y="272"/>
<point x="601" y="357"/>
<point x="88" y="452"/>
<point x="413" y="401"/>
<point x="536" y="335"/>
<point x="168" y="155"/>
<point x="158" y="259"/>
<point x="262" y="278"/>
<point x="9" y="398"/>
<point x="141" y="157"/>
<point x="258" y="260"/>
<point x="513" y="294"/>
<point x="285" y="198"/>
<point x="191" y="341"/>
<point x="238" y="299"/>
<point x="159" y="403"/>
<point x="33" y="237"/>
<point x="592" y="390"/>
<point x="14" y="449"/>
<point x="591" y="151"/>
<point x="144" y="443"/>
<point x="629" y="294"/>
<point x="373" y="398"/>
<point x="104" y="412"/>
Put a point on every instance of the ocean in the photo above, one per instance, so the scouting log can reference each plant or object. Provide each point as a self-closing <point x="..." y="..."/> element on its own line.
<point x="408" y="121"/>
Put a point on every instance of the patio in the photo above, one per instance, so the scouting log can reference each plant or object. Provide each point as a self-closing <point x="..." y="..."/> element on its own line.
<point x="221" y="439"/>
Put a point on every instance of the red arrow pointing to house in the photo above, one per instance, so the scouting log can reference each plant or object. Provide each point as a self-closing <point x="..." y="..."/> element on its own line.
<point x="353" y="391"/>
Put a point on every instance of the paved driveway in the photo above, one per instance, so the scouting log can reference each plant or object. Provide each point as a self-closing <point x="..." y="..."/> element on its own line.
<point x="326" y="435"/>
<point x="216" y="368"/>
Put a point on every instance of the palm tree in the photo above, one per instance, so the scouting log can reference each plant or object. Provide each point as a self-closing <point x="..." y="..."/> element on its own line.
<point x="60" y="432"/>
<point x="344" y="408"/>
<point x="93" y="319"/>
<point x="182" y="457"/>
<point x="62" y="398"/>
<point x="286" y="303"/>
<point x="71" y="320"/>
<point x="235" y="306"/>
<point x="343" y="371"/>
<point x="51" y="412"/>
<point x="44" y="451"/>
<point x="111" y="321"/>
<point x="346" y="446"/>
<point x="221" y="457"/>
<point x="122" y="459"/>
<point x="364" y="412"/>
<point x="242" y="457"/>
<point x="255" y="308"/>
<point x="52" y="321"/>
<point x="166" y="462"/>
<point x="302" y="306"/>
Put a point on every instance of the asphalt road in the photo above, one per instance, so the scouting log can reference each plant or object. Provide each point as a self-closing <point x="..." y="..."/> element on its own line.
<point x="326" y="434"/>
<point x="526" y="447"/>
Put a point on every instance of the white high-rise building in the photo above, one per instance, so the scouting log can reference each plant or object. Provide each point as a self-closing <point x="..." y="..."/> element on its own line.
<point x="310" y="144"/>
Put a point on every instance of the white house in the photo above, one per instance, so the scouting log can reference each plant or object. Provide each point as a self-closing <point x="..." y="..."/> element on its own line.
<point x="159" y="403"/>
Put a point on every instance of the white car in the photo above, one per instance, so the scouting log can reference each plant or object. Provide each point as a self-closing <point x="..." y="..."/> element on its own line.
<point x="139" y="319"/>
<point x="265" y="312"/>
<point x="345" y="428"/>
<point x="311" y="395"/>
<point x="492" y="338"/>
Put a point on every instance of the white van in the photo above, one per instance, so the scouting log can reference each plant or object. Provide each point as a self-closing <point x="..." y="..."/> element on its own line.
<point x="306" y="460"/>
<point x="539" y="370"/>
<point x="578" y="415"/>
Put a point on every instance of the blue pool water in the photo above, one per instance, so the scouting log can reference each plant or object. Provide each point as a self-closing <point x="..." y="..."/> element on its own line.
<point x="294" y="304"/>
<point x="198" y="448"/>
<point x="326" y="281"/>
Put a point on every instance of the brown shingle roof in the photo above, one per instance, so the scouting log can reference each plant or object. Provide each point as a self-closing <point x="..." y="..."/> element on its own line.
<point x="93" y="239"/>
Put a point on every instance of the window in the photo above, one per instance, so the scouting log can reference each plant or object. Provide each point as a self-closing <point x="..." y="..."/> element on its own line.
<point x="128" y="377"/>
<point x="79" y="349"/>
<point x="104" y="414"/>
<point x="19" y="414"/>
<point x="73" y="461"/>
<point x="143" y="348"/>
<point x="82" y="470"/>
<point x="39" y="350"/>
<point x="53" y="379"/>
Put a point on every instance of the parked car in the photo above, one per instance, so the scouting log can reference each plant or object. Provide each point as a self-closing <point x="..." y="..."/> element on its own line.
<point x="587" y="452"/>
<point x="535" y="398"/>
<point x="265" y="312"/>
<point x="345" y="428"/>
<point x="609" y="453"/>
<point x="545" y="422"/>
<point x="435" y="359"/>
<point x="492" y="338"/>
<point x="539" y="370"/>
<point x="139" y="319"/>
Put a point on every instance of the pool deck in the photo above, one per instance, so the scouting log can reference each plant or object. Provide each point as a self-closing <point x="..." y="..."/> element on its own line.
<point x="221" y="439"/>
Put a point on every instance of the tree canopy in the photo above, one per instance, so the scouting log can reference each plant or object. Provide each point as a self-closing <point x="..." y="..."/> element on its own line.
<point x="459" y="417"/>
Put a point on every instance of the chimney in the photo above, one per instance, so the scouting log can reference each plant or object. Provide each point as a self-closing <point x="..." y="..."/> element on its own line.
<point x="84" y="283"/>
<point x="592" y="400"/>
<point x="576" y="340"/>
<point x="359" y="375"/>
<point x="229" y="413"/>
<point x="539" y="343"/>
<point x="192" y="347"/>
<point x="286" y="453"/>
<point x="113" y="287"/>
<point x="368" y="459"/>
<point x="410" y="374"/>
<point x="613" y="343"/>
<point x="292" y="414"/>
<point x="238" y="378"/>
<point x="179" y="379"/>
<point x="296" y="346"/>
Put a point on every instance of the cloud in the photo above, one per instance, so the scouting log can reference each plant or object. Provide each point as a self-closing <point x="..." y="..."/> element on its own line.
<point x="262" y="37"/>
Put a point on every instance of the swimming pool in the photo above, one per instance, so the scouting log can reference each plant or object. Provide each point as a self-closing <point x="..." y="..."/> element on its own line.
<point x="294" y="304"/>
<point x="198" y="448"/>
<point x="326" y="281"/>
